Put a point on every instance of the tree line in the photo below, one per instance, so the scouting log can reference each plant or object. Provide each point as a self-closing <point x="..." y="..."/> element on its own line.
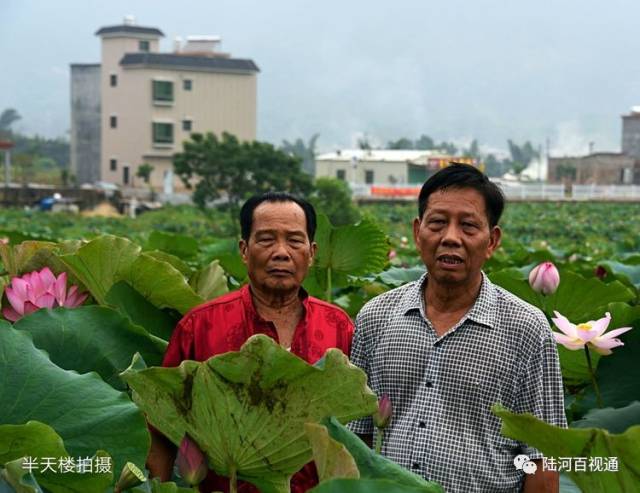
<point x="521" y="155"/>
<point x="34" y="156"/>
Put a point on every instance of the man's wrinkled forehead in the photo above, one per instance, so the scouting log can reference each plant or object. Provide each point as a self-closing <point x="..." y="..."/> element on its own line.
<point x="285" y="216"/>
<point x="456" y="194"/>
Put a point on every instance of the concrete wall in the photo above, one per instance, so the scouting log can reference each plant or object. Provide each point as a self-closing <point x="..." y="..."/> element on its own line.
<point x="217" y="102"/>
<point x="631" y="135"/>
<point x="601" y="169"/>
<point x="384" y="172"/>
<point x="85" y="122"/>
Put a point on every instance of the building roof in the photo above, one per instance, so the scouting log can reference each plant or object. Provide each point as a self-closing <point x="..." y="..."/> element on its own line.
<point x="392" y="155"/>
<point x="125" y="29"/>
<point x="179" y="61"/>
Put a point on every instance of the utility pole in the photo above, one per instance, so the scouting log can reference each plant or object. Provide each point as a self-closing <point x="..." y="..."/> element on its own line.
<point x="6" y="146"/>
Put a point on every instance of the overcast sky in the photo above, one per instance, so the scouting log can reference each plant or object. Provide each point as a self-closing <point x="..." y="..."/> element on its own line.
<point x="558" y="70"/>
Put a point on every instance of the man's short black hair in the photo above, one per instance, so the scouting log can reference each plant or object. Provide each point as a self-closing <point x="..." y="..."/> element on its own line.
<point x="246" y="213"/>
<point x="458" y="175"/>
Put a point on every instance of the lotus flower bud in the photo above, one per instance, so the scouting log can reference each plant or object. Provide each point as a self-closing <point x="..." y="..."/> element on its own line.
<point x="191" y="462"/>
<point x="382" y="416"/>
<point x="130" y="476"/>
<point x="600" y="272"/>
<point x="544" y="278"/>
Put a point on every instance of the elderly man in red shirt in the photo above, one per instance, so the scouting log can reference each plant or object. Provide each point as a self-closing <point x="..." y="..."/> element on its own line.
<point x="277" y="247"/>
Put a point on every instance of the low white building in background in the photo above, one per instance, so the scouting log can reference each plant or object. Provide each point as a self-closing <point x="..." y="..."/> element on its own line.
<point x="385" y="167"/>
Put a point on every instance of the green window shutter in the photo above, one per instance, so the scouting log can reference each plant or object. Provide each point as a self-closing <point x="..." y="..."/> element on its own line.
<point x="162" y="90"/>
<point x="163" y="133"/>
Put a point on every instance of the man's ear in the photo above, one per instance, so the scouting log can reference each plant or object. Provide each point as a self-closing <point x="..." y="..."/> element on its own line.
<point x="495" y="238"/>
<point x="242" y="245"/>
<point x="314" y="249"/>
<point x="416" y="229"/>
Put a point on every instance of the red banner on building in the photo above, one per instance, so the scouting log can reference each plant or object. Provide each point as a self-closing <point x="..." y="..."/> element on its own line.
<point x="378" y="191"/>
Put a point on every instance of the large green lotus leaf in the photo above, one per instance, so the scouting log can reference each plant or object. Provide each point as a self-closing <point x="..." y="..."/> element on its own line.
<point x="38" y="440"/>
<point x="354" y="249"/>
<point x="577" y="298"/>
<point x="247" y="409"/>
<point x="161" y="284"/>
<point x="91" y="338"/>
<point x="15" y="257"/>
<point x="368" y="486"/>
<point x="172" y="260"/>
<point x="612" y="420"/>
<point x="332" y="459"/>
<point x="375" y="466"/>
<point x="101" y="263"/>
<point x="31" y="439"/>
<point x="567" y="485"/>
<point x="135" y="306"/>
<point x="156" y="486"/>
<point x="14" y="479"/>
<point x="181" y="246"/>
<point x="629" y="271"/>
<point x="397" y="276"/>
<point x="85" y="411"/>
<point x="553" y="441"/>
<point x="210" y="281"/>
<point x="16" y="237"/>
<point x="227" y="253"/>
<point x="575" y="371"/>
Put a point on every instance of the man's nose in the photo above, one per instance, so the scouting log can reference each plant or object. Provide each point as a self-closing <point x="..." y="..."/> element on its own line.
<point x="281" y="250"/>
<point x="452" y="235"/>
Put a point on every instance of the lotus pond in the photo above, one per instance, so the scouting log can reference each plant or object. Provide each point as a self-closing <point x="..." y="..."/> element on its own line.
<point x="78" y="375"/>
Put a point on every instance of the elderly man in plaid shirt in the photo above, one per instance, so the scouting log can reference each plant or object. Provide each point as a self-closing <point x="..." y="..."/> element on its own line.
<point x="447" y="347"/>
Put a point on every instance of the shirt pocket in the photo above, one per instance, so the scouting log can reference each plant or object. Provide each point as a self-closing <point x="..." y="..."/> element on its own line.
<point x="482" y="383"/>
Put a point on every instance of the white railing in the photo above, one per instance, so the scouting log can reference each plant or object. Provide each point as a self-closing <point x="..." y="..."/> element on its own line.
<point x="533" y="191"/>
<point x="605" y="192"/>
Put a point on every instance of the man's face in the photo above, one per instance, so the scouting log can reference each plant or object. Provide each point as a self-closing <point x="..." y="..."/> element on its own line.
<point x="454" y="238"/>
<point x="278" y="253"/>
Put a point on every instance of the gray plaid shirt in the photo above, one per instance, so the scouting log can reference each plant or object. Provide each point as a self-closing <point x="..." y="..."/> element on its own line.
<point x="442" y="388"/>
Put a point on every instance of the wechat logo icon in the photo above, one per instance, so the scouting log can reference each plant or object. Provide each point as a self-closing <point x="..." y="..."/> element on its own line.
<point x="523" y="463"/>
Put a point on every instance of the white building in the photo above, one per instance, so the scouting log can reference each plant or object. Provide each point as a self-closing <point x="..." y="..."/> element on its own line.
<point x="141" y="104"/>
<point x="384" y="167"/>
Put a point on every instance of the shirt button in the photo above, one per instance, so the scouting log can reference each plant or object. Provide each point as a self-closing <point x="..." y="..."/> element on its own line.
<point x="429" y="384"/>
<point x="422" y="424"/>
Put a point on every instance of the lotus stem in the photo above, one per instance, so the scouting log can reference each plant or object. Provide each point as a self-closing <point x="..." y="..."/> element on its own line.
<point x="378" y="447"/>
<point x="233" y="481"/>
<point x="593" y="377"/>
<point x="328" y="295"/>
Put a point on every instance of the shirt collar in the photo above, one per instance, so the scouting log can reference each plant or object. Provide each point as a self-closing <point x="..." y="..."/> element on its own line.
<point x="483" y="310"/>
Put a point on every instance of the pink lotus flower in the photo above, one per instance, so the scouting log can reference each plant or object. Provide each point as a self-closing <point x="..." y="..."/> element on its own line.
<point x="382" y="416"/>
<point x="36" y="290"/>
<point x="590" y="333"/>
<point x="392" y="254"/>
<point x="191" y="462"/>
<point x="544" y="278"/>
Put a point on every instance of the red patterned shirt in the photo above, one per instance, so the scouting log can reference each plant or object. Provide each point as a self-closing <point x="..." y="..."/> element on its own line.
<point x="224" y="324"/>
